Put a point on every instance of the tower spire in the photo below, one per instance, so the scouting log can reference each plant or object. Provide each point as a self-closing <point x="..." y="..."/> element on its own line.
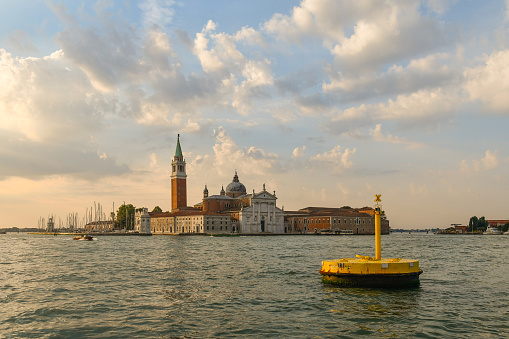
<point x="178" y="150"/>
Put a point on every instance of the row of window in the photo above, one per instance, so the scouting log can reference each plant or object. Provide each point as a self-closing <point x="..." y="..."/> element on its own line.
<point x="357" y="221"/>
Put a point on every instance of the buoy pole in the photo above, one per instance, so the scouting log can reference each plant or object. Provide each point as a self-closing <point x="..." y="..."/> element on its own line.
<point x="378" y="230"/>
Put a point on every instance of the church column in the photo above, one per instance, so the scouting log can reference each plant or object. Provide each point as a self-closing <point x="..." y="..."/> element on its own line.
<point x="269" y="226"/>
<point x="253" y="219"/>
<point x="274" y="213"/>
<point x="259" y="217"/>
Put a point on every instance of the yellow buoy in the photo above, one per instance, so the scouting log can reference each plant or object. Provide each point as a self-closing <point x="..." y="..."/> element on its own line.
<point x="365" y="271"/>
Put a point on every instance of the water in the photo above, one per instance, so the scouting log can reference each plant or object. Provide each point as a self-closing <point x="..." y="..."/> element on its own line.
<point x="170" y="287"/>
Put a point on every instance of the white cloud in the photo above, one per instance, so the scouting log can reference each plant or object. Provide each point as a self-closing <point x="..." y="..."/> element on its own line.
<point x="431" y="71"/>
<point x="377" y="135"/>
<point x="489" y="83"/>
<point x="488" y="162"/>
<point x="340" y="187"/>
<point x="336" y="157"/>
<point x="43" y="101"/>
<point x="418" y="110"/>
<point x="298" y="152"/>
<point x="153" y="160"/>
<point x="249" y="161"/>
<point x="381" y="30"/>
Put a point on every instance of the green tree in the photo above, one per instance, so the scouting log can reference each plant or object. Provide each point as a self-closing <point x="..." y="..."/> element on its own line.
<point x="505" y="227"/>
<point x="125" y="211"/>
<point x="473" y="224"/>
<point x="483" y="224"/>
<point x="157" y="209"/>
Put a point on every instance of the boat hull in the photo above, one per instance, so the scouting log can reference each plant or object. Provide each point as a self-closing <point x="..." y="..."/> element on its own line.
<point x="379" y="280"/>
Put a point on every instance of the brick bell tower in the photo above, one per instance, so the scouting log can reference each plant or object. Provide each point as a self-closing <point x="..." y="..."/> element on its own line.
<point x="178" y="179"/>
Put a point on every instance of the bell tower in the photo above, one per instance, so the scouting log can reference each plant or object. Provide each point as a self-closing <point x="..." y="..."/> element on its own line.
<point x="178" y="179"/>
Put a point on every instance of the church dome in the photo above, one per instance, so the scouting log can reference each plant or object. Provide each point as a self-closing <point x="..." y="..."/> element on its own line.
<point x="235" y="188"/>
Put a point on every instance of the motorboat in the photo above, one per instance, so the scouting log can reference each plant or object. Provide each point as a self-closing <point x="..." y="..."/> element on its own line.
<point x="84" y="237"/>
<point x="492" y="230"/>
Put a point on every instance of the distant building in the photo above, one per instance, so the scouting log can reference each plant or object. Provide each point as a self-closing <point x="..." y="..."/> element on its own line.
<point x="235" y="211"/>
<point x="50" y="226"/>
<point x="496" y="223"/>
<point x="142" y="220"/>
<point x="460" y="228"/>
<point x="334" y="220"/>
<point x="99" y="226"/>
<point x="230" y="211"/>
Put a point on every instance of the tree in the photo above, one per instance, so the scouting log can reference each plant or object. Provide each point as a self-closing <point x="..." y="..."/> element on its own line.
<point x="473" y="224"/>
<point x="483" y="224"/>
<point x="157" y="209"/>
<point x="125" y="211"/>
<point x="505" y="227"/>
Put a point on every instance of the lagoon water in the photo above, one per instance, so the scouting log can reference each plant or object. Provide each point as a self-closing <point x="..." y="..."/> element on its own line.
<point x="197" y="286"/>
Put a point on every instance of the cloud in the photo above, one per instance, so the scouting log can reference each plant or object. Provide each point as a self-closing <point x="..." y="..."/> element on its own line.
<point x="48" y="99"/>
<point x="432" y="71"/>
<point x="298" y="152"/>
<point x="35" y="160"/>
<point x="418" y="190"/>
<point x="157" y="12"/>
<point x="362" y="35"/>
<point x="219" y="56"/>
<point x="488" y="162"/>
<point x="336" y="157"/>
<point x="378" y="136"/>
<point x="489" y="83"/>
<point x="249" y="161"/>
<point x="21" y="41"/>
<point x="420" y="109"/>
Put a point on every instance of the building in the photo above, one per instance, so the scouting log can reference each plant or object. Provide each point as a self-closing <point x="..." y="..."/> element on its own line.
<point x="334" y="220"/>
<point x="231" y="211"/>
<point x="178" y="179"/>
<point x="142" y="220"/>
<point x="100" y="226"/>
<point x="498" y="222"/>
<point x="235" y="211"/>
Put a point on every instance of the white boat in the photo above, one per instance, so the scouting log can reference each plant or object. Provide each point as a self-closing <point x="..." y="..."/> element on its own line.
<point x="492" y="230"/>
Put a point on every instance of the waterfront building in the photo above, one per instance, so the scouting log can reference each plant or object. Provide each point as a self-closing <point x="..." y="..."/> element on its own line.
<point x="142" y="220"/>
<point x="50" y="226"/>
<point x="334" y="220"/>
<point x="497" y="222"/>
<point x="230" y="211"/>
<point x="190" y="222"/>
<point x="235" y="211"/>
<point x="100" y="226"/>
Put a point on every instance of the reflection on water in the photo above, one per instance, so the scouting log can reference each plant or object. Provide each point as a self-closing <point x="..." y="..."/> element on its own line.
<point x="246" y="287"/>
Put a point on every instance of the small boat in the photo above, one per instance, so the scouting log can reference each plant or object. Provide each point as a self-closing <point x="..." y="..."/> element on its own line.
<point x="492" y="230"/>
<point x="3" y="232"/>
<point x="84" y="237"/>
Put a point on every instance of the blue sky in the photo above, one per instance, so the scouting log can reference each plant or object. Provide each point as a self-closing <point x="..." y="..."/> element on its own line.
<point x="326" y="102"/>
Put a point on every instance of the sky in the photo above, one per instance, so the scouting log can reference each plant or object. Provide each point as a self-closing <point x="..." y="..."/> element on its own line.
<point x="326" y="102"/>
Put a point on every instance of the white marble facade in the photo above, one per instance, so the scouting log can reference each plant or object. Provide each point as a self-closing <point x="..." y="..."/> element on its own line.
<point x="262" y="216"/>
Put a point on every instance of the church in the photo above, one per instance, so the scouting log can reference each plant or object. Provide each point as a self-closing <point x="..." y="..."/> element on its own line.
<point x="231" y="211"/>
